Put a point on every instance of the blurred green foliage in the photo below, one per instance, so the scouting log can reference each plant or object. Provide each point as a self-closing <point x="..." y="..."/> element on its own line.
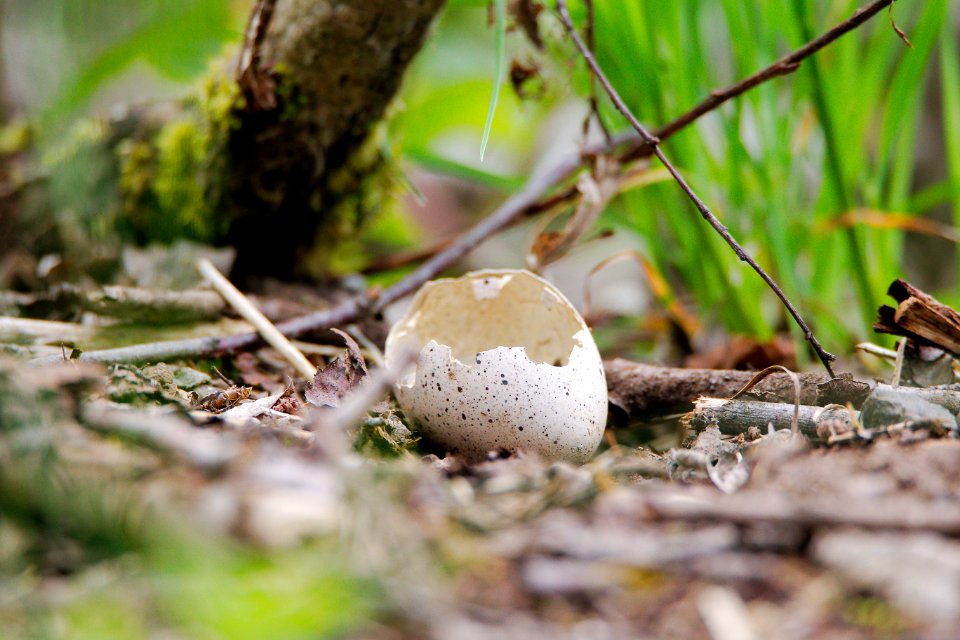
<point x="174" y="38"/>
<point x="785" y="159"/>
<point x="782" y="166"/>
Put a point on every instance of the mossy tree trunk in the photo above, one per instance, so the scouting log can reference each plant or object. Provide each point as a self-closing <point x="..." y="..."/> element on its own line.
<point x="281" y="182"/>
<point x="301" y="169"/>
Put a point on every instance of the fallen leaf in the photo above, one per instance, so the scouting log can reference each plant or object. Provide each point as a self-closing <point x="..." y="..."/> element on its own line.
<point x="596" y="189"/>
<point x="338" y="378"/>
<point x="223" y="400"/>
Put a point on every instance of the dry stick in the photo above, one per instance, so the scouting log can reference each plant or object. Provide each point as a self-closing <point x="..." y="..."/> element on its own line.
<point x="825" y="357"/>
<point x="251" y="314"/>
<point x="594" y="112"/>
<point x="734" y="417"/>
<point x="530" y="201"/>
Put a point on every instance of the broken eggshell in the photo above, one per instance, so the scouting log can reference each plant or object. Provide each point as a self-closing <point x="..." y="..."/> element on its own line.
<point x="505" y="362"/>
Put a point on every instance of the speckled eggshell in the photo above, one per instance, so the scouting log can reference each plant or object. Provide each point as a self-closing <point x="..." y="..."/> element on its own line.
<point x="504" y="362"/>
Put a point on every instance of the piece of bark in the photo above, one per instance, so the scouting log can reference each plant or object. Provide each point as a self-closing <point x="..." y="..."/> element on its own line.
<point x="921" y="317"/>
<point x="734" y="417"/>
<point x="643" y="391"/>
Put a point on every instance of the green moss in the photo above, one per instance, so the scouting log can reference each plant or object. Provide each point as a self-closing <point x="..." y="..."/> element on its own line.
<point x="151" y="178"/>
<point x="15" y="137"/>
<point x="81" y="197"/>
<point x="181" y="149"/>
<point x="289" y="96"/>
<point x="357" y="199"/>
<point x="82" y="136"/>
<point x="874" y="613"/>
<point x="174" y="183"/>
<point x="385" y="436"/>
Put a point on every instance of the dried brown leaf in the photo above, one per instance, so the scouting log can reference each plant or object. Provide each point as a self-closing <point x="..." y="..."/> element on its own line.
<point x="596" y="190"/>
<point x="223" y="400"/>
<point x="526" y="12"/>
<point x="338" y="378"/>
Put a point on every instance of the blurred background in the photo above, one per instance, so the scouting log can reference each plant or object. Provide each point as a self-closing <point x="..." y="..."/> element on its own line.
<point x="837" y="178"/>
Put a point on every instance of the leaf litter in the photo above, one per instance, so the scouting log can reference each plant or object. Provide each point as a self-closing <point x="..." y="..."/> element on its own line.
<point x="766" y="532"/>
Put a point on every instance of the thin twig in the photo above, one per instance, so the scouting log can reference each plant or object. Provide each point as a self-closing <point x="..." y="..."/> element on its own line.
<point x="535" y="198"/>
<point x="825" y="357"/>
<point x="725" y="614"/>
<point x="251" y="314"/>
<point x="888" y="355"/>
<point x="372" y="351"/>
<point x="898" y="363"/>
<point x="594" y="112"/>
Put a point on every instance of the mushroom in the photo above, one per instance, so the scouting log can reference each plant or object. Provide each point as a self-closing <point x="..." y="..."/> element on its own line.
<point x="504" y="362"/>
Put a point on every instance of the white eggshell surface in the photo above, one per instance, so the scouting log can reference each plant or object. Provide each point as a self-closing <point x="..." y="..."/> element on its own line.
<point x="505" y="362"/>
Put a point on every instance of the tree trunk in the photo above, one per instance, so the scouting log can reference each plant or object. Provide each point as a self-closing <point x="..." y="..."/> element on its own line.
<point x="301" y="170"/>
<point x="281" y="173"/>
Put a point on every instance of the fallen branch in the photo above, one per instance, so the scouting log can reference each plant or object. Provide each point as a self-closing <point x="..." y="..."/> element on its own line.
<point x="129" y="304"/>
<point x="825" y="357"/>
<point x="734" y="417"/>
<point x="28" y="331"/>
<point x="534" y="198"/>
<point x="644" y="391"/>
<point x="948" y="398"/>
<point x="207" y="450"/>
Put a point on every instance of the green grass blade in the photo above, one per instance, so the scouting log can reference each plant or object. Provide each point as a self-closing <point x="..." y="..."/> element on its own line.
<point x="449" y="167"/>
<point x="835" y="174"/>
<point x="500" y="30"/>
<point x="950" y="86"/>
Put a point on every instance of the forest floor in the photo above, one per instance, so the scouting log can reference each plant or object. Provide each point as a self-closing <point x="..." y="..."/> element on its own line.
<point x="206" y="498"/>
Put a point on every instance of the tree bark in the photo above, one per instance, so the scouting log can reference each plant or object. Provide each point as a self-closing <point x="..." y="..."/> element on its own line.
<point x="301" y="169"/>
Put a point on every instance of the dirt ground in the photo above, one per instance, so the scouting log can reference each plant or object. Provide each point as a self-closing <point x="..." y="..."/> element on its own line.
<point x="851" y="540"/>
